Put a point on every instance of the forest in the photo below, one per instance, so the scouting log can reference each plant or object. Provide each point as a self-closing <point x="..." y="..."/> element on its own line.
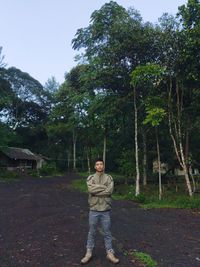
<point x="132" y="99"/>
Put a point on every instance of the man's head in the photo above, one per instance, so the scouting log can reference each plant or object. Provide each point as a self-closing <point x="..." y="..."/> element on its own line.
<point x="99" y="165"/>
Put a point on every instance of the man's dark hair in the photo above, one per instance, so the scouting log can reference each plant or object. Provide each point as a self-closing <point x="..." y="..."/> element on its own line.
<point x="98" y="159"/>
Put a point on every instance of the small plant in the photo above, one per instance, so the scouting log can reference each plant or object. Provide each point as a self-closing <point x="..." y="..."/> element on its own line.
<point x="145" y="258"/>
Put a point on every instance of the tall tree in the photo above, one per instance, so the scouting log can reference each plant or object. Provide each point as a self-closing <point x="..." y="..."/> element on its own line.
<point x="142" y="79"/>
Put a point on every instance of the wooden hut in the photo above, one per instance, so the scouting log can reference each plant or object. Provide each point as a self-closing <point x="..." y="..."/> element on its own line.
<point x="13" y="158"/>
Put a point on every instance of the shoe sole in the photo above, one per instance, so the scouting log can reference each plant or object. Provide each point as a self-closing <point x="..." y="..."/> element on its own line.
<point x="83" y="263"/>
<point x="112" y="261"/>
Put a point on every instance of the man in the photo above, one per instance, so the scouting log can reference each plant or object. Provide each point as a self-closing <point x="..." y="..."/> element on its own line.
<point x="100" y="187"/>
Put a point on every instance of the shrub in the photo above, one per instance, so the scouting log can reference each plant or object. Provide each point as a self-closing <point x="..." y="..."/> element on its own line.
<point x="140" y="198"/>
<point x="187" y="202"/>
<point x="126" y="165"/>
<point x="9" y="175"/>
<point x="34" y="173"/>
<point x="47" y="169"/>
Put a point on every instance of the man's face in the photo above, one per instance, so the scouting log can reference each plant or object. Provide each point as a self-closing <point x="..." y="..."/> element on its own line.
<point x="99" y="166"/>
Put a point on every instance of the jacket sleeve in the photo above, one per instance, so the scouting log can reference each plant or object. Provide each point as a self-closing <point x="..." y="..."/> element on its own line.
<point x="109" y="188"/>
<point x="94" y="188"/>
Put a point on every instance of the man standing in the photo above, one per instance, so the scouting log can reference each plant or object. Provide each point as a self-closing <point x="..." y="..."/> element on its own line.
<point x="100" y="187"/>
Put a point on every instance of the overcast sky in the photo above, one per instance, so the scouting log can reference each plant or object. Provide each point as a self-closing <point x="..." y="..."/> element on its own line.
<point x="36" y="34"/>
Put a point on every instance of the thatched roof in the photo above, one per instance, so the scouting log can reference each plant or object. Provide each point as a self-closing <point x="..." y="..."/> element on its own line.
<point x="19" y="153"/>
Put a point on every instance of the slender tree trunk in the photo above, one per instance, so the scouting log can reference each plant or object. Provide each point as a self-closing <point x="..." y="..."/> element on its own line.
<point x="159" y="166"/>
<point x="88" y="160"/>
<point x="186" y="171"/>
<point x="193" y="182"/>
<point x="177" y="135"/>
<point x="104" y="146"/>
<point x="144" y="158"/>
<point x="187" y="148"/>
<point x="68" y="159"/>
<point x="187" y="160"/>
<point x="137" y="182"/>
<point x="74" y="150"/>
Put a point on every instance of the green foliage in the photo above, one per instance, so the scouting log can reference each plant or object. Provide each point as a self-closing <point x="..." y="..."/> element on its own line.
<point x="51" y="85"/>
<point x="145" y="258"/>
<point x="48" y="169"/>
<point x="171" y="199"/>
<point x="9" y="176"/>
<point x="141" y="198"/>
<point x="6" y="92"/>
<point x="154" y="116"/>
<point x="33" y="173"/>
<point x="186" y="202"/>
<point x="8" y="136"/>
<point x="148" y="199"/>
<point x="147" y="74"/>
<point x="96" y="99"/>
<point x="126" y="163"/>
<point x="80" y="185"/>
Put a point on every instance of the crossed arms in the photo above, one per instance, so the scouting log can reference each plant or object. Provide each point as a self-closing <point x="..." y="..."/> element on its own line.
<point x="100" y="189"/>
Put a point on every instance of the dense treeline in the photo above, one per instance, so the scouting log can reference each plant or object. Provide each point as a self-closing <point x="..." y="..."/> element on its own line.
<point x="132" y="98"/>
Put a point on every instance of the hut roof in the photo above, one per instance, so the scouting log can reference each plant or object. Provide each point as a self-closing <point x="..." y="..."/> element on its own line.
<point x="19" y="153"/>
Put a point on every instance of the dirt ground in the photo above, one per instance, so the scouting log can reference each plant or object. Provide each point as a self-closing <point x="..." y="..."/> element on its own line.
<point x="43" y="223"/>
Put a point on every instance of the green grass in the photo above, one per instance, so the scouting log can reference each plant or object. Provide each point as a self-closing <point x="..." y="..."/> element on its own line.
<point x="148" y="197"/>
<point x="15" y="176"/>
<point x="182" y="202"/>
<point x="145" y="258"/>
<point x="9" y="176"/>
<point x="79" y="185"/>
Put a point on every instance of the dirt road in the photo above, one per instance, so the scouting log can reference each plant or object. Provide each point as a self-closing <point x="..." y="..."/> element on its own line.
<point x="43" y="223"/>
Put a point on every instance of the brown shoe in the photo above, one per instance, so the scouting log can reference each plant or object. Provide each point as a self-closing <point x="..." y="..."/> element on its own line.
<point x="87" y="257"/>
<point x="111" y="257"/>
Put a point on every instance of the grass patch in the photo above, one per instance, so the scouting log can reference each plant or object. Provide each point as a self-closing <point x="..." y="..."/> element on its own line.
<point x="9" y="176"/>
<point x="145" y="258"/>
<point x="37" y="174"/>
<point x="148" y="197"/>
<point x="182" y="202"/>
<point x="79" y="185"/>
<point x="15" y="176"/>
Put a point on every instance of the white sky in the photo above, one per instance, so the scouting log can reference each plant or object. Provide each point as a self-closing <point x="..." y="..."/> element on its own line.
<point x="36" y="34"/>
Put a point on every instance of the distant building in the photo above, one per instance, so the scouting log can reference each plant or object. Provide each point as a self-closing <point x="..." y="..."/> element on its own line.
<point x="163" y="167"/>
<point x="176" y="170"/>
<point x="13" y="158"/>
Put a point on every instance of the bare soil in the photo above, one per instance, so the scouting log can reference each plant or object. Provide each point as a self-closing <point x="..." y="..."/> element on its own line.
<point x="44" y="223"/>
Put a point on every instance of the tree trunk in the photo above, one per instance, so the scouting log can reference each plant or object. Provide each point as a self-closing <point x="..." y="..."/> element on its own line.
<point x="144" y="158"/>
<point x="177" y="136"/>
<point x="104" y="146"/>
<point x="88" y="160"/>
<point x="193" y="182"/>
<point x="74" y="150"/>
<point x="186" y="171"/>
<point x="68" y="159"/>
<point x="137" y="181"/>
<point x="187" y="179"/>
<point x="159" y="166"/>
<point x="187" y="148"/>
